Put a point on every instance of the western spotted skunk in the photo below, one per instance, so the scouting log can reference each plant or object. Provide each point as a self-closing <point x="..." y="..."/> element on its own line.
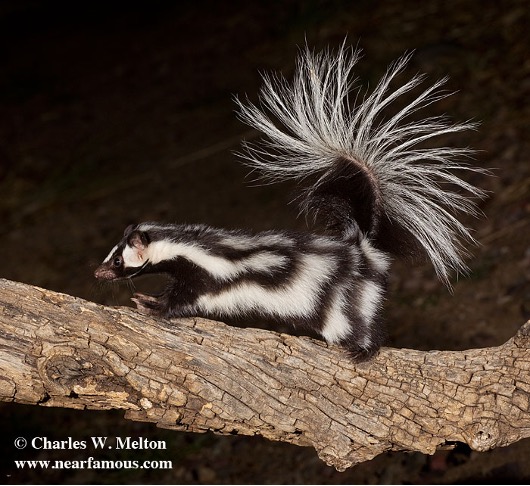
<point x="378" y="187"/>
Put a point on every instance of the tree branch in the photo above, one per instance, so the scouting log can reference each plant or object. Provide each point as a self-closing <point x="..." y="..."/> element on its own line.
<point x="199" y="375"/>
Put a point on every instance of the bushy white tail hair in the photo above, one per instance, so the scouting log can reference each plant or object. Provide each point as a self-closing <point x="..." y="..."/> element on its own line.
<point x="323" y="122"/>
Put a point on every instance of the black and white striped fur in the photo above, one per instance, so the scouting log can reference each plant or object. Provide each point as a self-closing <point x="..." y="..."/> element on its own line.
<point x="379" y="192"/>
<point x="331" y="285"/>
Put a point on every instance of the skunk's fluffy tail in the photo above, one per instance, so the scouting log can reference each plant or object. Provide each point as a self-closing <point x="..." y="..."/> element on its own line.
<point x="367" y="172"/>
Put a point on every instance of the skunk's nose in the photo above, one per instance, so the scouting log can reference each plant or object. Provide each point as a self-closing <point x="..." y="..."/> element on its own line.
<point x="104" y="273"/>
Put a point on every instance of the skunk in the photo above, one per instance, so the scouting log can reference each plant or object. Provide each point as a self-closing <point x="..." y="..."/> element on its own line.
<point x="380" y="190"/>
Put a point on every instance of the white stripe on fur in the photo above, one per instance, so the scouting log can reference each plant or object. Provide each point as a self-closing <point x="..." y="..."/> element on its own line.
<point x="337" y="326"/>
<point x="377" y="259"/>
<point x="109" y="256"/>
<point x="300" y="298"/>
<point x="369" y="301"/>
<point x="217" y="266"/>
<point x="257" y="241"/>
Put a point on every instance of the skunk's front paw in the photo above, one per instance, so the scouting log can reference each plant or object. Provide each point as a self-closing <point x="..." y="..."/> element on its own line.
<point x="148" y="304"/>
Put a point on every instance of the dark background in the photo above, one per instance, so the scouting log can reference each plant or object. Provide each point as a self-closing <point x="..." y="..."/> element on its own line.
<point x="118" y="112"/>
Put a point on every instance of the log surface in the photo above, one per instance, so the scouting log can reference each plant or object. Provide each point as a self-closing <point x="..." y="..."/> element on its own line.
<point x="198" y="375"/>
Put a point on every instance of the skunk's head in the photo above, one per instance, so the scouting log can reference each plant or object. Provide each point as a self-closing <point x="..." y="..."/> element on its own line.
<point x="128" y="258"/>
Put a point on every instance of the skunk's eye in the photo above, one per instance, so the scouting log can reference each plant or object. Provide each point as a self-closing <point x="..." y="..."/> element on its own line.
<point x="117" y="262"/>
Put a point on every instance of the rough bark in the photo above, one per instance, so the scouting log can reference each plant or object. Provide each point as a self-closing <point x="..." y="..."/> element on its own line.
<point x="198" y="375"/>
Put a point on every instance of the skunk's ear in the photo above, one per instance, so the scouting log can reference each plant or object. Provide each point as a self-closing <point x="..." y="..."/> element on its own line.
<point x="138" y="239"/>
<point x="129" y="230"/>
